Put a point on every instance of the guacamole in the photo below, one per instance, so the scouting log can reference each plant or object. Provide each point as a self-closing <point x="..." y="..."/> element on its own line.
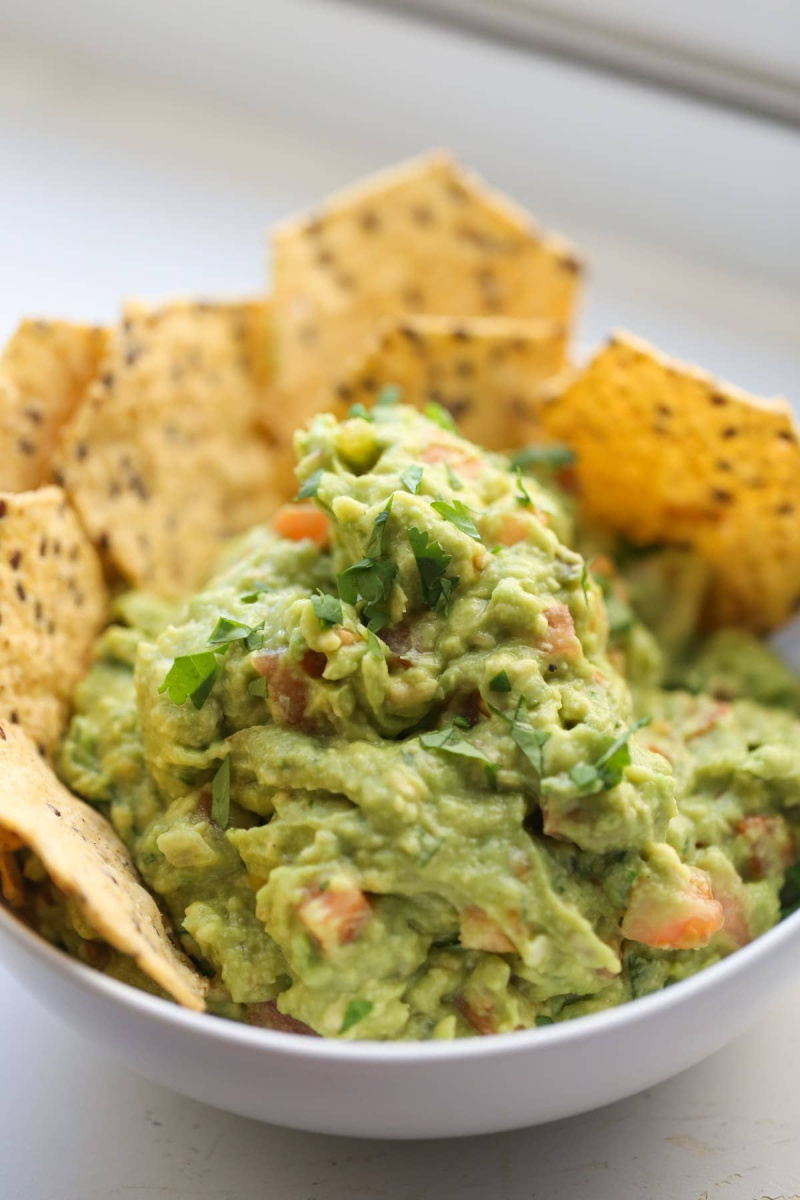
<point x="407" y="767"/>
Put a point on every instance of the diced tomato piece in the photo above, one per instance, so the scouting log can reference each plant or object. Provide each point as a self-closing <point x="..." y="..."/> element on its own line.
<point x="769" y="844"/>
<point x="268" y="1016"/>
<point x="729" y="891"/>
<point x="561" y="637"/>
<point x="514" y="527"/>
<point x="299" y="522"/>
<point x="288" y="689"/>
<point x="336" y="915"/>
<point x="314" y="663"/>
<point x="678" y="916"/>
<point x="480" y="932"/>
<point x="465" y="464"/>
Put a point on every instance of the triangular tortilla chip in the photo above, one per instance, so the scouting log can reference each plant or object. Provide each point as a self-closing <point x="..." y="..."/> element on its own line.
<point x="488" y="372"/>
<point x="45" y="369"/>
<point x="168" y="455"/>
<point x="52" y="606"/>
<point x="666" y="453"/>
<point x="86" y="860"/>
<point x="424" y="237"/>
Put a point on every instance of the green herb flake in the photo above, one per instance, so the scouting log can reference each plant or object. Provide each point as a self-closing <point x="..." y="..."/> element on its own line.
<point x="554" y="454"/>
<point x="259" y="687"/>
<point x="374" y="645"/>
<point x="440" y="416"/>
<point x="523" y="497"/>
<point x="607" y="771"/>
<point x="585" y="583"/>
<point x="370" y="582"/>
<point x="451" y="741"/>
<point x="221" y="795"/>
<point x="500" y="683"/>
<point x="191" y="677"/>
<point x="358" y="410"/>
<point x="452" y="478"/>
<point x="255" y="638"/>
<point x="226" y="631"/>
<point x="412" y="478"/>
<point x="356" y="1011"/>
<point x="432" y="563"/>
<point x="459" y="515"/>
<point x="328" y="609"/>
<point x="309" y="488"/>
<point x="375" y="544"/>
<point x="542" y="1020"/>
<point x="259" y="587"/>
<point x="527" y="739"/>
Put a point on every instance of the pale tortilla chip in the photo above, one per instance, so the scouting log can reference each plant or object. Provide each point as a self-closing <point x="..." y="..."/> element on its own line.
<point x="666" y="453"/>
<point x="488" y="372"/>
<point x="424" y="237"/>
<point x="52" y="606"/>
<point x="168" y="456"/>
<point x="45" y="369"/>
<point x="87" y="861"/>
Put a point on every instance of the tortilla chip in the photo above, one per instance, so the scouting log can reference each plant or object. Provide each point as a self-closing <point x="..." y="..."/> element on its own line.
<point x="487" y="372"/>
<point x="424" y="237"/>
<point x="168" y="456"/>
<point x="86" y="860"/>
<point x="52" y="606"/>
<point x="666" y="453"/>
<point x="45" y="369"/>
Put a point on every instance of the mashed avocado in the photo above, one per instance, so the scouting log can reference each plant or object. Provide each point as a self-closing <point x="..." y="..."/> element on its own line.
<point x="406" y="768"/>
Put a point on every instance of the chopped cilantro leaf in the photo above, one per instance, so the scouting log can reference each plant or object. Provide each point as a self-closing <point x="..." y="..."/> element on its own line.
<point x="452" y="478"/>
<point x="227" y="631"/>
<point x="524" y="497"/>
<point x="375" y="544"/>
<point x="358" y="410"/>
<point x="500" y="683"/>
<point x="440" y="416"/>
<point x="543" y="1020"/>
<point x="459" y="515"/>
<point x="432" y="563"/>
<point x="461" y="723"/>
<point x="191" y="677"/>
<point x="374" y="645"/>
<point x="255" y="638"/>
<point x="356" y="1011"/>
<point x="259" y="587"/>
<point x="554" y="454"/>
<point x="390" y="393"/>
<point x="259" y="687"/>
<point x="328" y="609"/>
<point x="527" y="739"/>
<point x="412" y="478"/>
<point x="451" y="741"/>
<point x="221" y="795"/>
<point x="607" y="771"/>
<point x="369" y="581"/>
<point x="309" y="488"/>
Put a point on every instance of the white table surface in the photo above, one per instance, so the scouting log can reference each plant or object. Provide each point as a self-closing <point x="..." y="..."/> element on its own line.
<point x="110" y="188"/>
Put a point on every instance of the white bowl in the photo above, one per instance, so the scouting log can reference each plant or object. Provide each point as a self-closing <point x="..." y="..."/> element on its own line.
<point x="411" y="1090"/>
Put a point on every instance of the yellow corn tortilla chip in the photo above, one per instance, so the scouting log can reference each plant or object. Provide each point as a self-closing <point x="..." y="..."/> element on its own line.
<point x="666" y="453"/>
<point x="168" y="455"/>
<point x="52" y="606"/>
<point x="45" y="369"/>
<point x="424" y="237"/>
<point x="488" y="372"/>
<point x="87" y="861"/>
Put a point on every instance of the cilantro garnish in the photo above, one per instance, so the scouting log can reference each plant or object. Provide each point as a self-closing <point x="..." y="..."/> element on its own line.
<point x="374" y="645"/>
<point x="375" y="543"/>
<point x="556" y="454"/>
<point x="328" y="609"/>
<point x="358" y="410"/>
<point x="440" y="416"/>
<point x="452" y="478"/>
<point x="500" y="683"/>
<point x="259" y="587"/>
<point x="585" y="583"/>
<point x="390" y="393"/>
<point x="227" y="631"/>
<point x="356" y="1011"/>
<point x="191" y="677"/>
<point x="527" y="739"/>
<point x="523" y="498"/>
<point x="369" y="580"/>
<point x="459" y="515"/>
<point x="259" y="687"/>
<point x="452" y="741"/>
<point x="432" y="563"/>
<point x="309" y="488"/>
<point x="607" y="771"/>
<point x="543" y="1020"/>
<point x="221" y="795"/>
<point x="412" y="478"/>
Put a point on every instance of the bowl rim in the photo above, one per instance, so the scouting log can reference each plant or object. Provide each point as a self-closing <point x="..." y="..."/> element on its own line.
<point x="577" y="1030"/>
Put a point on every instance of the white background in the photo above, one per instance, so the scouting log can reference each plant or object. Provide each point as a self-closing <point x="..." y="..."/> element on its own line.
<point x="142" y="151"/>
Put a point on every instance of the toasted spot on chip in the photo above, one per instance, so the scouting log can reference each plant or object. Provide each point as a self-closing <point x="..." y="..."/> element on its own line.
<point x="424" y="237"/>
<point x="168" y="456"/>
<point x="487" y="372"/>
<point x="52" y="606"/>
<point x="666" y="453"/>
<point x="45" y="369"/>
<point x="87" y="861"/>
